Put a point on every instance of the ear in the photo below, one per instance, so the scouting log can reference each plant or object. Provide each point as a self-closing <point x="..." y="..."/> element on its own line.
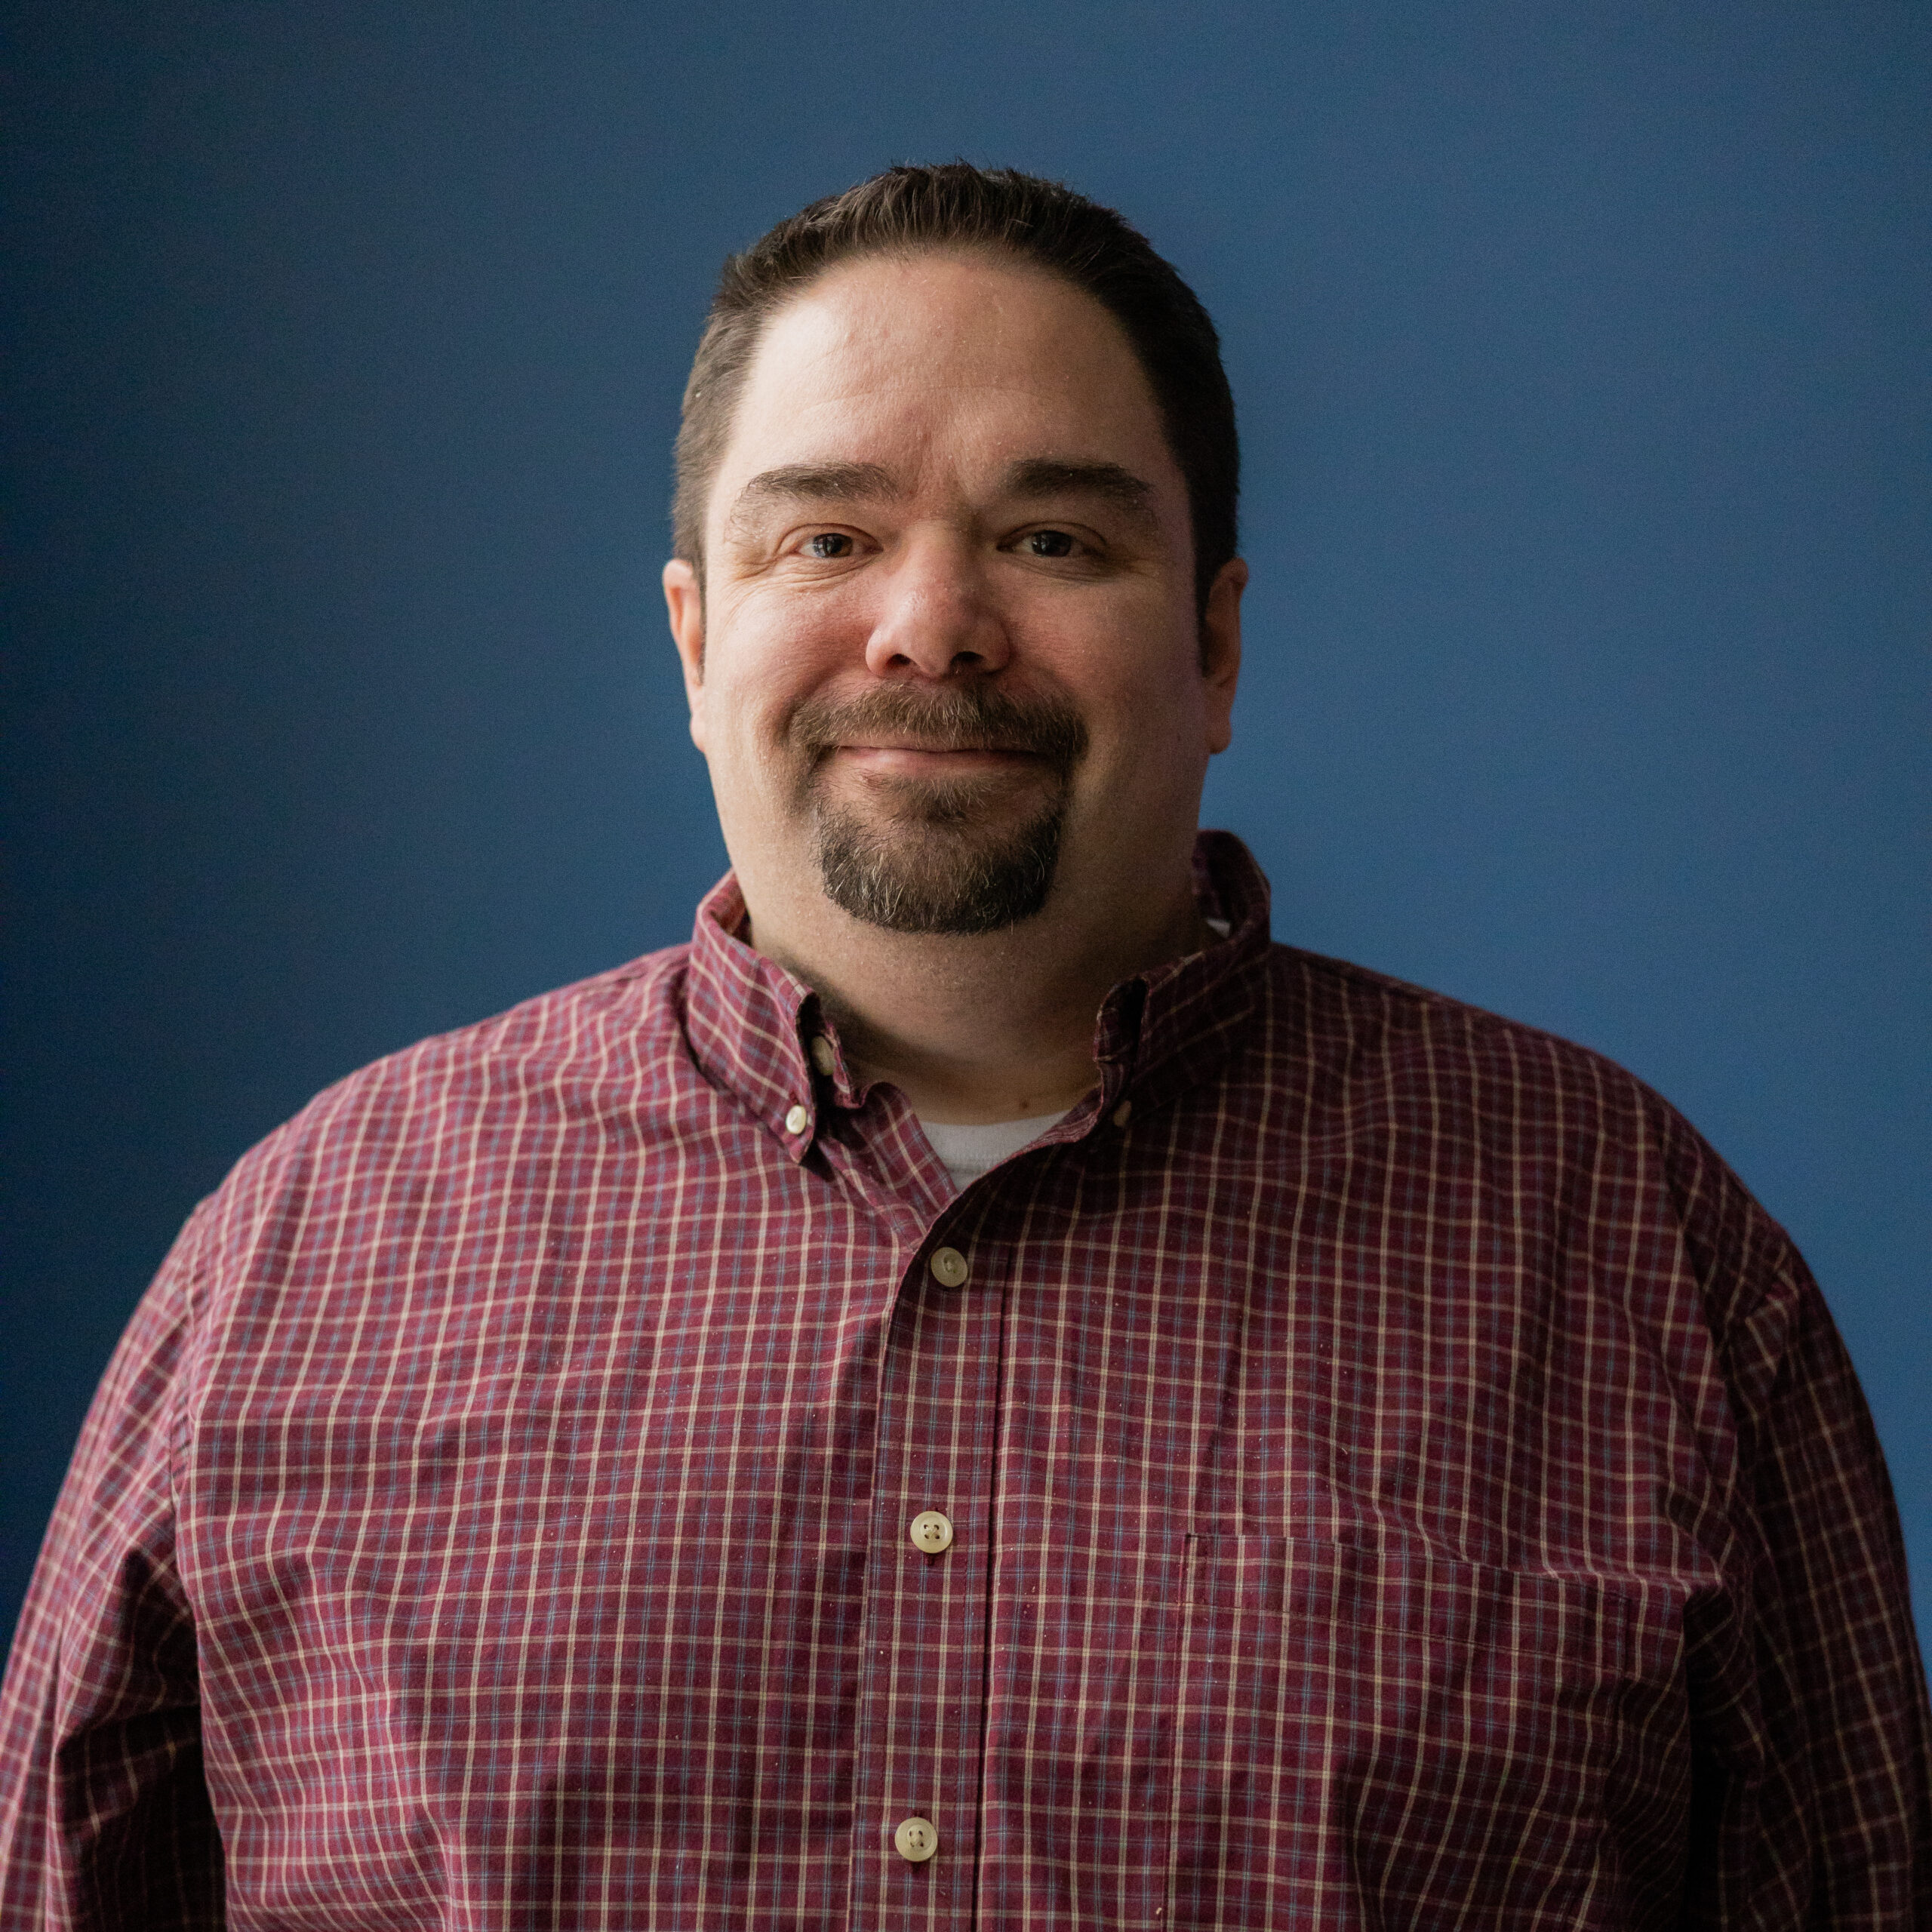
<point x="685" y="600"/>
<point x="1220" y="651"/>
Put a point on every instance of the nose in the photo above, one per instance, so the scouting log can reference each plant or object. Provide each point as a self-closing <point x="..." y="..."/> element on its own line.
<point x="938" y="619"/>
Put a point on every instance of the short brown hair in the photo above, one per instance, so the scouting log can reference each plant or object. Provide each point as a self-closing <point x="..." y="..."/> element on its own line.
<point x="954" y="205"/>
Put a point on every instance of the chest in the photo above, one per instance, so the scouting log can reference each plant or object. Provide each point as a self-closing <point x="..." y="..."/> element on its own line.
<point x="1280" y="1519"/>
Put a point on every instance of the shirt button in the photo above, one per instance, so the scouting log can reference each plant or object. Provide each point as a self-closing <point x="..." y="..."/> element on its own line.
<point x="949" y="1267"/>
<point x="822" y="1055"/>
<point x="796" y="1120"/>
<point x="931" y="1533"/>
<point x="916" y="1840"/>
<point x="1123" y="1113"/>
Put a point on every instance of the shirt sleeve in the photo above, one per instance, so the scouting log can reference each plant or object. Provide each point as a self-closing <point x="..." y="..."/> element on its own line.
<point x="1818" y="1789"/>
<point x="104" y="1821"/>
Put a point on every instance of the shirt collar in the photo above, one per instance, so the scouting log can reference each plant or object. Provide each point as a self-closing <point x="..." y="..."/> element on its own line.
<point x="752" y="1025"/>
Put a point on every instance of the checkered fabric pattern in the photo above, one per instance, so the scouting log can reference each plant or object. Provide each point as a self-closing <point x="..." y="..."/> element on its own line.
<point x="1396" y="1477"/>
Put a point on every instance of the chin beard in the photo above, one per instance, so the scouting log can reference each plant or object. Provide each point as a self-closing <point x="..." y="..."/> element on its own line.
<point x="935" y="857"/>
<point x="931" y="868"/>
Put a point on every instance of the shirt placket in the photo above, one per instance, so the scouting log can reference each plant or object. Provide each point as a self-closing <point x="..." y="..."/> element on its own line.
<point x="916" y="1823"/>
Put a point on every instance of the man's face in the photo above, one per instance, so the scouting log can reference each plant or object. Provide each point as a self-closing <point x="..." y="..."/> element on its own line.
<point x="947" y="661"/>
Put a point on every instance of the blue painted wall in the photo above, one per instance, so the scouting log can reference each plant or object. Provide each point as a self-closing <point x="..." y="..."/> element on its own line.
<point x="1583" y="364"/>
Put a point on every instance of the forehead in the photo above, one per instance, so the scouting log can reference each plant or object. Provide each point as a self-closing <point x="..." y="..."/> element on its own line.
<point x="941" y="366"/>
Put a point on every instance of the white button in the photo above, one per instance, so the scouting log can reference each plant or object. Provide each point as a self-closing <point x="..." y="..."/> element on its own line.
<point x="1123" y="1113"/>
<point x="949" y="1267"/>
<point x="916" y="1839"/>
<point x="796" y="1120"/>
<point x="931" y="1532"/>
<point x="822" y="1057"/>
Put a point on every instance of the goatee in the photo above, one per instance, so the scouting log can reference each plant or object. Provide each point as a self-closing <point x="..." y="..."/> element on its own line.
<point x="931" y="857"/>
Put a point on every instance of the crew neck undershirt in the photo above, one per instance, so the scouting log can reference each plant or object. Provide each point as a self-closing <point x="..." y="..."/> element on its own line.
<point x="967" y="1150"/>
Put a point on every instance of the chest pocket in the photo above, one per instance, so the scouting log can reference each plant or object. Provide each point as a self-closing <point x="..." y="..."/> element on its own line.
<point x="1379" y="1737"/>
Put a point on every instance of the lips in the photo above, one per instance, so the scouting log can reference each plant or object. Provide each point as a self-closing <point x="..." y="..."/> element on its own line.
<point x="932" y="761"/>
<point x="943" y="750"/>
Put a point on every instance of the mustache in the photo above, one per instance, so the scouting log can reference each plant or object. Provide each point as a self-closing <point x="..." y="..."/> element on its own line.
<point x="974" y="717"/>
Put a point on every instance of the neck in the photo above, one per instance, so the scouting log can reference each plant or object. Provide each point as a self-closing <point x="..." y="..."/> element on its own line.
<point x="989" y="1027"/>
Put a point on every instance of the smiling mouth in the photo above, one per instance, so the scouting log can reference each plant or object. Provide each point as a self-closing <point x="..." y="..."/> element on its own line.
<point x="926" y="761"/>
<point x="892" y="735"/>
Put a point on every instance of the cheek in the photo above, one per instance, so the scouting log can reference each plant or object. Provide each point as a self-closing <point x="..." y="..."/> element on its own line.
<point x="1154" y="732"/>
<point x="774" y="651"/>
<point x="1153" y="694"/>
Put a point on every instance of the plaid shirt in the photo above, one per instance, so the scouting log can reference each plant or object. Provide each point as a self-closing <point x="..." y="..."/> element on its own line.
<point x="1394" y="1474"/>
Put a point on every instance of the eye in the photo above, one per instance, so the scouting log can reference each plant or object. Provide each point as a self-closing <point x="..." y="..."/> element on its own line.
<point x="1048" y="544"/>
<point x="827" y="544"/>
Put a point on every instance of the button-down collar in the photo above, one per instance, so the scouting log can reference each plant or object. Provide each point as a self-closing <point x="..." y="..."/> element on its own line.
<point x="752" y="1024"/>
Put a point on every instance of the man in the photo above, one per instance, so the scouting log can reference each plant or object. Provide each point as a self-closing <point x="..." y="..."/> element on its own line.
<point x="817" y="1428"/>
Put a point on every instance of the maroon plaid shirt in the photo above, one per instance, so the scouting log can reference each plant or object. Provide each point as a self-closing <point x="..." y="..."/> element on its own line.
<point x="1396" y="1476"/>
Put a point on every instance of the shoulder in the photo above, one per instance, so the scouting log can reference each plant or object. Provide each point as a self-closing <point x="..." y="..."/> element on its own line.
<point x="1367" y="1027"/>
<point x="611" y="1028"/>
<point x="468" y="1100"/>
<point x="1554" y="1121"/>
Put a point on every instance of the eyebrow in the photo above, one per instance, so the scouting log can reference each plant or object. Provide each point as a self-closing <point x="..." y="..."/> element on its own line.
<point x="815" y="482"/>
<point x="1056" y="476"/>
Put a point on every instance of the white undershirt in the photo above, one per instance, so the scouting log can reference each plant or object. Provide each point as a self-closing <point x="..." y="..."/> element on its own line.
<point x="967" y="1152"/>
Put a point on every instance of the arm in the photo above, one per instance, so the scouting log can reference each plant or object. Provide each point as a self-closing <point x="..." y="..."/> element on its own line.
<point x="104" y="1819"/>
<point x="1815" y="1748"/>
<point x="1844" y="1701"/>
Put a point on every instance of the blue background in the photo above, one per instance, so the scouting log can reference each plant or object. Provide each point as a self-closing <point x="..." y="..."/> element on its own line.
<point x="1582" y="361"/>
